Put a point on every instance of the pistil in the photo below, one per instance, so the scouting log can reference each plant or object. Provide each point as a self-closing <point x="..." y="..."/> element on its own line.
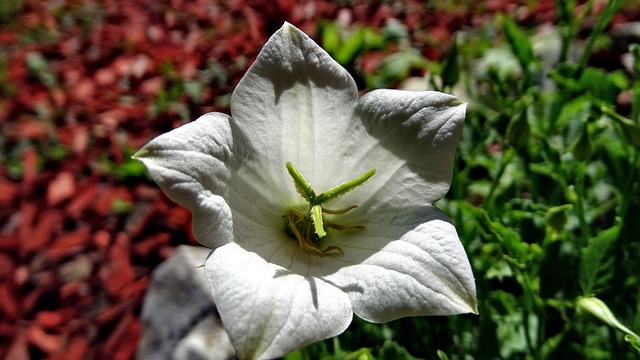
<point x="308" y="224"/>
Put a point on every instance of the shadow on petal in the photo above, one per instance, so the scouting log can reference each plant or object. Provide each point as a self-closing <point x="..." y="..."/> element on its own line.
<point x="406" y="262"/>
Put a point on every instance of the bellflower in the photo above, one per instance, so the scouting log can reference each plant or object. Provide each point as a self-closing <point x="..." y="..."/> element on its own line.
<point x="318" y="204"/>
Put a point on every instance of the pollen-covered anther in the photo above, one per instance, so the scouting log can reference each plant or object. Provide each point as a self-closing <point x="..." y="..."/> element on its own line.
<point x="304" y="236"/>
<point x="339" y="211"/>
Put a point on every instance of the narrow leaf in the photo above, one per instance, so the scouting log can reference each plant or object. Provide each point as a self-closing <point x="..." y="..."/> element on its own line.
<point x="519" y="42"/>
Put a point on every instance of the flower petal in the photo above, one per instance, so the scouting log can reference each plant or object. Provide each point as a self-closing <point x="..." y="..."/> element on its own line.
<point x="269" y="311"/>
<point x="295" y="103"/>
<point x="411" y="138"/>
<point x="406" y="262"/>
<point x="194" y="165"/>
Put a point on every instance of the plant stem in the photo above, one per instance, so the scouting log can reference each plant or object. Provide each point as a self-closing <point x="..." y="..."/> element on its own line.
<point x="585" y="233"/>
<point x="507" y="155"/>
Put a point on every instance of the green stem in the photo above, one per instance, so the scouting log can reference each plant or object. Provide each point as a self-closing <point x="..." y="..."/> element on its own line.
<point x="630" y="184"/>
<point x="507" y="155"/>
<point x="603" y="20"/>
<point x="585" y="233"/>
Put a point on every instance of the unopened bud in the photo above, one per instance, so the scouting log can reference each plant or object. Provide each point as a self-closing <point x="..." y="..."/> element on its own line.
<point x="594" y="307"/>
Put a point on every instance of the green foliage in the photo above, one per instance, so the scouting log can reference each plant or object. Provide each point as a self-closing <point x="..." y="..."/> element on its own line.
<point x="596" y="262"/>
<point x="344" y="45"/>
<point x="519" y="42"/>
<point x="126" y="170"/>
<point x="37" y="65"/>
<point x="451" y="68"/>
<point x="544" y="197"/>
<point x="9" y="9"/>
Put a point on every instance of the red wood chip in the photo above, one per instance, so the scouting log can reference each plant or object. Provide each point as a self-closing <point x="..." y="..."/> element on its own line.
<point x="129" y="344"/>
<point x="135" y="290"/>
<point x="179" y="217"/>
<point x="71" y="289"/>
<point x="137" y="221"/>
<point x="8" y="192"/>
<point x="27" y="213"/>
<point x="117" y="335"/>
<point x="49" y="319"/>
<point x="7" y="266"/>
<point x="152" y="243"/>
<point x="77" y="347"/>
<point x="69" y="242"/>
<point x="32" y="129"/>
<point x="46" y="225"/>
<point x="19" y="349"/>
<point x="30" y="168"/>
<point x="84" y="197"/>
<point x="61" y="188"/>
<point x="8" y="304"/>
<point x="48" y="343"/>
<point x="111" y="313"/>
<point x="101" y="239"/>
<point x="104" y="203"/>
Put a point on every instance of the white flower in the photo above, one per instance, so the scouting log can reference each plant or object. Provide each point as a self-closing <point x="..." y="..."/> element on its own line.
<point x="278" y="280"/>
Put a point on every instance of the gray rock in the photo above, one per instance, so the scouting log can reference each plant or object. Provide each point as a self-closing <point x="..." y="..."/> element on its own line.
<point x="179" y="317"/>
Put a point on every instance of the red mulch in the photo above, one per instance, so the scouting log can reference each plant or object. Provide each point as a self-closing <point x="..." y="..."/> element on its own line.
<point x="78" y="237"/>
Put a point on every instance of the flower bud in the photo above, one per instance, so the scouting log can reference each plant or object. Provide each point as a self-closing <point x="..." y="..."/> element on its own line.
<point x="592" y="306"/>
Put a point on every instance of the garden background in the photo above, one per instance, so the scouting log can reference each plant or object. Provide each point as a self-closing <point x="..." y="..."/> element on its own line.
<point x="545" y="193"/>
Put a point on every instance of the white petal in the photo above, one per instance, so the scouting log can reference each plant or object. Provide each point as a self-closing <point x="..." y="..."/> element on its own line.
<point x="294" y="104"/>
<point x="194" y="164"/>
<point x="269" y="311"/>
<point x="406" y="262"/>
<point x="412" y="138"/>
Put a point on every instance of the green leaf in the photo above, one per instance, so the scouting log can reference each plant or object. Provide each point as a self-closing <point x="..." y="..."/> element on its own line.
<point x="582" y="149"/>
<point x="330" y="38"/>
<point x="597" y="83"/>
<point x="628" y="129"/>
<point x="556" y="216"/>
<point x="564" y="10"/>
<point x="634" y="49"/>
<point x="373" y="39"/>
<point x="519" y="42"/>
<point x="518" y="130"/>
<point x="442" y="355"/>
<point x="351" y="47"/>
<point x="510" y="239"/>
<point x="451" y="69"/>
<point x="37" y="65"/>
<point x="596" y="263"/>
<point x="360" y="354"/>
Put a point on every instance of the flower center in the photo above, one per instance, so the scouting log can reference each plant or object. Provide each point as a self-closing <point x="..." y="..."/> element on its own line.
<point x="307" y="224"/>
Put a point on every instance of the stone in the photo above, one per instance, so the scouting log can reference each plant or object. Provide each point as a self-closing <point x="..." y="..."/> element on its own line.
<point x="179" y="317"/>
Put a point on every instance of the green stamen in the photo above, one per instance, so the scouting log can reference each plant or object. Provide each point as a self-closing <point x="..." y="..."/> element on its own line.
<point x="344" y="187"/>
<point x="302" y="186"/>
<point x="299" y="225"/>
